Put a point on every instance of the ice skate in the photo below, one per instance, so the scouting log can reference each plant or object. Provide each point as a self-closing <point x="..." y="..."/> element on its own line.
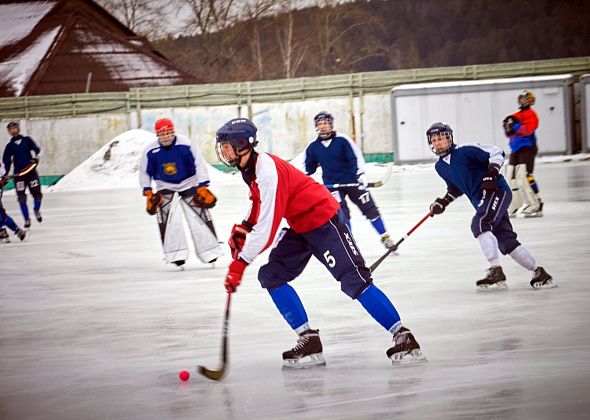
<point x="179" y="263"/>
<point x="512" y="214"/>
<point x="27" y="223"/>
<point x="405" y="348"/>
<point x="4" y="238"/>
<point x="494" y="280"/>
<point x="38" y="216"/>
<point x="533" y="211"/>
<point x="542" y="279"/>
<point x="21" y="233"/>
<point x="307" y="352"/>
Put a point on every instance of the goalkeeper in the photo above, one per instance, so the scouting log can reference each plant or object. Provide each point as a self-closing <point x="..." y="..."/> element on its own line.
<point x="178" y="168"/>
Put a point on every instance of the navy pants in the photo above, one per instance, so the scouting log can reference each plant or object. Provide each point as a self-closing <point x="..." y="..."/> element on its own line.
<point x="491" y="215"/>
<point x="359" y="196"/>
<point x="332" y="244"/>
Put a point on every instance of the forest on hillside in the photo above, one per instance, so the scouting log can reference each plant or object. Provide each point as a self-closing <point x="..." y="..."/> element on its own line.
<point x="378" y="35"/>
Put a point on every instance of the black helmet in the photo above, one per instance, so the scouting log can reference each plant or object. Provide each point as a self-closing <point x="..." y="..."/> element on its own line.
<point x="446" y="131"/>
<point x="240" y="133"/>
<point x="12" y="124"/>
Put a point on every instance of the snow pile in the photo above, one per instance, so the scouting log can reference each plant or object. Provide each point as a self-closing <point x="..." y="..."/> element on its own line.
<point x="116" y="166"/>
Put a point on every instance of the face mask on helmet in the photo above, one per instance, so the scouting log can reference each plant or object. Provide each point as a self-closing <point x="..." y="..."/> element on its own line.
<point x="324" y="124"/>
<point x="13" y="127"/>
<point x="440" y="139"/>
<point x="234" y="140"/>
<point x="165" y="131"/>
<point x="526" y="98"/>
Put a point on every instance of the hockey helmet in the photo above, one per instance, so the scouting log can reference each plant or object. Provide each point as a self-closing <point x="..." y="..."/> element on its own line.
<point x="238" y="134"/>
<point x="437" y="130"/>
<point x="329" y="119"/>
<point x="12" y="124"/>
<point x="164" y="129"/>
<point x="526" y="98"/>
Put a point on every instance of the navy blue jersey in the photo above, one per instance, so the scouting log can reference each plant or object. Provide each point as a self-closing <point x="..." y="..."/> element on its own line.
<point x="18" y="151"/>
<point x="340" y="159"/>
<point x="175" y="168"/>
<point x="464" y="168"/>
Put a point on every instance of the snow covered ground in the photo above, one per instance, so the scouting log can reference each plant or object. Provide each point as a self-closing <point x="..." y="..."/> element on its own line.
<point x="94" y="325"/>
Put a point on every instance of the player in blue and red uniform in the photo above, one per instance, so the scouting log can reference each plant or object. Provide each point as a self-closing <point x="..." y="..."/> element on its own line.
<point x="473" y="170"/>
<point x="176" y="166"/>
<point x="521" y="128"/>
<point x="5" y="219"/>
<point x="316" y="228"/>
<point x="22" y="151"/>
<point x="342" y="162"/>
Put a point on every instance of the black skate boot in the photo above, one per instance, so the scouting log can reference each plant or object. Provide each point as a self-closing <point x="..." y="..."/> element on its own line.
<point x="494" y="280"/>
<point x="307" y="352"/>
<point x="542" y="279"/>
<point x="4" y="236"/>
<point x="405" y="348"/>
<point x="179" y="262"/>
<point x="27" y="223"/>
<point x="38" y="216"/>
<point x="21" y="233"/>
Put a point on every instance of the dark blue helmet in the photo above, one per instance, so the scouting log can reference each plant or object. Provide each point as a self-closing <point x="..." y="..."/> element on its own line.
<point x="327" y="117"/>
<point x="240" y="133"/>
<point x="446" y="131"/>
<point x="323" y="115"/>
<point x="12" y="124"/>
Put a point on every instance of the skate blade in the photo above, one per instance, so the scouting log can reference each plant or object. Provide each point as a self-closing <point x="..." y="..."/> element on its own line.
<point x="547" y="285"/>
<point x="409" y="358"/>
<point x="312" y="360"/>
<point x="529" y="215"/>
<point x="501" y="285"/>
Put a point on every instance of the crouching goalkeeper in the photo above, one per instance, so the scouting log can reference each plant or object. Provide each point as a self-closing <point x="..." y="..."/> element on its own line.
<point x="178" y="169"/>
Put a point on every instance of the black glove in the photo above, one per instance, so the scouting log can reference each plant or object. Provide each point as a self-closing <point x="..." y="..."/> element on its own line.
<point x="490" y="181"/>
<point x="510" y="125"/>
<point x="440" y="204"/>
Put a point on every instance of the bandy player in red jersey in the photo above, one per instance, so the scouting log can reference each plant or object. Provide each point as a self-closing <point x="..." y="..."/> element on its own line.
<point x="316" y="227"/>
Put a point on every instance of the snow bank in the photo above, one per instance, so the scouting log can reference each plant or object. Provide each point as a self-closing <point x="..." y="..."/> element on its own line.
<point x="116" y="166"/>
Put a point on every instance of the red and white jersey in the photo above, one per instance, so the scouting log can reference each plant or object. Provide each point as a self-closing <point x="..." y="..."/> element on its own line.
<point x="279" y="190"/>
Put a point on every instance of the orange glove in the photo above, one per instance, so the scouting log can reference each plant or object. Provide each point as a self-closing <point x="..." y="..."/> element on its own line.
<point x="204" y="198"/>
<point x="234" y="275"/>
<point x="153" y="202"/>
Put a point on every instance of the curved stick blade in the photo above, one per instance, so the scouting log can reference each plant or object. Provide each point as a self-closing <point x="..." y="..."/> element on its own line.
<point x="214" y="375"/>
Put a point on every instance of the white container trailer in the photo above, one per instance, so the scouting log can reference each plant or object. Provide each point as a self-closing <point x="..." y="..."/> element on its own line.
<point x="585" y="111"/>
<point x="475" y="110"/>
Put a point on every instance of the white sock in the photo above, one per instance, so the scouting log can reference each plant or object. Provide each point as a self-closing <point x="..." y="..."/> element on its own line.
<point x="489" y="246"/>
<point x="522" y="256"/>
<point x="302" y="328"/>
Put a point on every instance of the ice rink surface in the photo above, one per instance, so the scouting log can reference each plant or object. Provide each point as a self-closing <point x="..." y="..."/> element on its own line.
<point x="93" y="324"/>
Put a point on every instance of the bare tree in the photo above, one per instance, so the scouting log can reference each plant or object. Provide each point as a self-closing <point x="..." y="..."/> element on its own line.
<point x="253" y="11"/>
<point x="334" y="27"/>
<point x="144" y="17"/>
<point x="292" y="49"/>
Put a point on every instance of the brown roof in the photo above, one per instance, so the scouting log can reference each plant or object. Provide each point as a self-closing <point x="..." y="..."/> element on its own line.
<point x="60" y="46"/>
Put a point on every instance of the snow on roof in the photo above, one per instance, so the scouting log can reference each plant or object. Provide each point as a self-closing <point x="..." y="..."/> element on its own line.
<point x="18" y="20"/>
<point x="19" y="69"/>
<point x="411" y="86"/>
<point x="116" y="166"/>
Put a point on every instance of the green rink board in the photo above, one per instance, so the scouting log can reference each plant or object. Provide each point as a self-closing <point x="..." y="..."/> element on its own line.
<point x="45" y="180"/>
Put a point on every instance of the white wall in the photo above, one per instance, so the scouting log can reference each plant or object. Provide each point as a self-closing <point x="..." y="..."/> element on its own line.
<point x="585" y="111"/>
<point x="476" y="116"/>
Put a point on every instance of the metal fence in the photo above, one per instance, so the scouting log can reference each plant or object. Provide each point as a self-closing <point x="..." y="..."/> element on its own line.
<point x="134" y="100"/>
